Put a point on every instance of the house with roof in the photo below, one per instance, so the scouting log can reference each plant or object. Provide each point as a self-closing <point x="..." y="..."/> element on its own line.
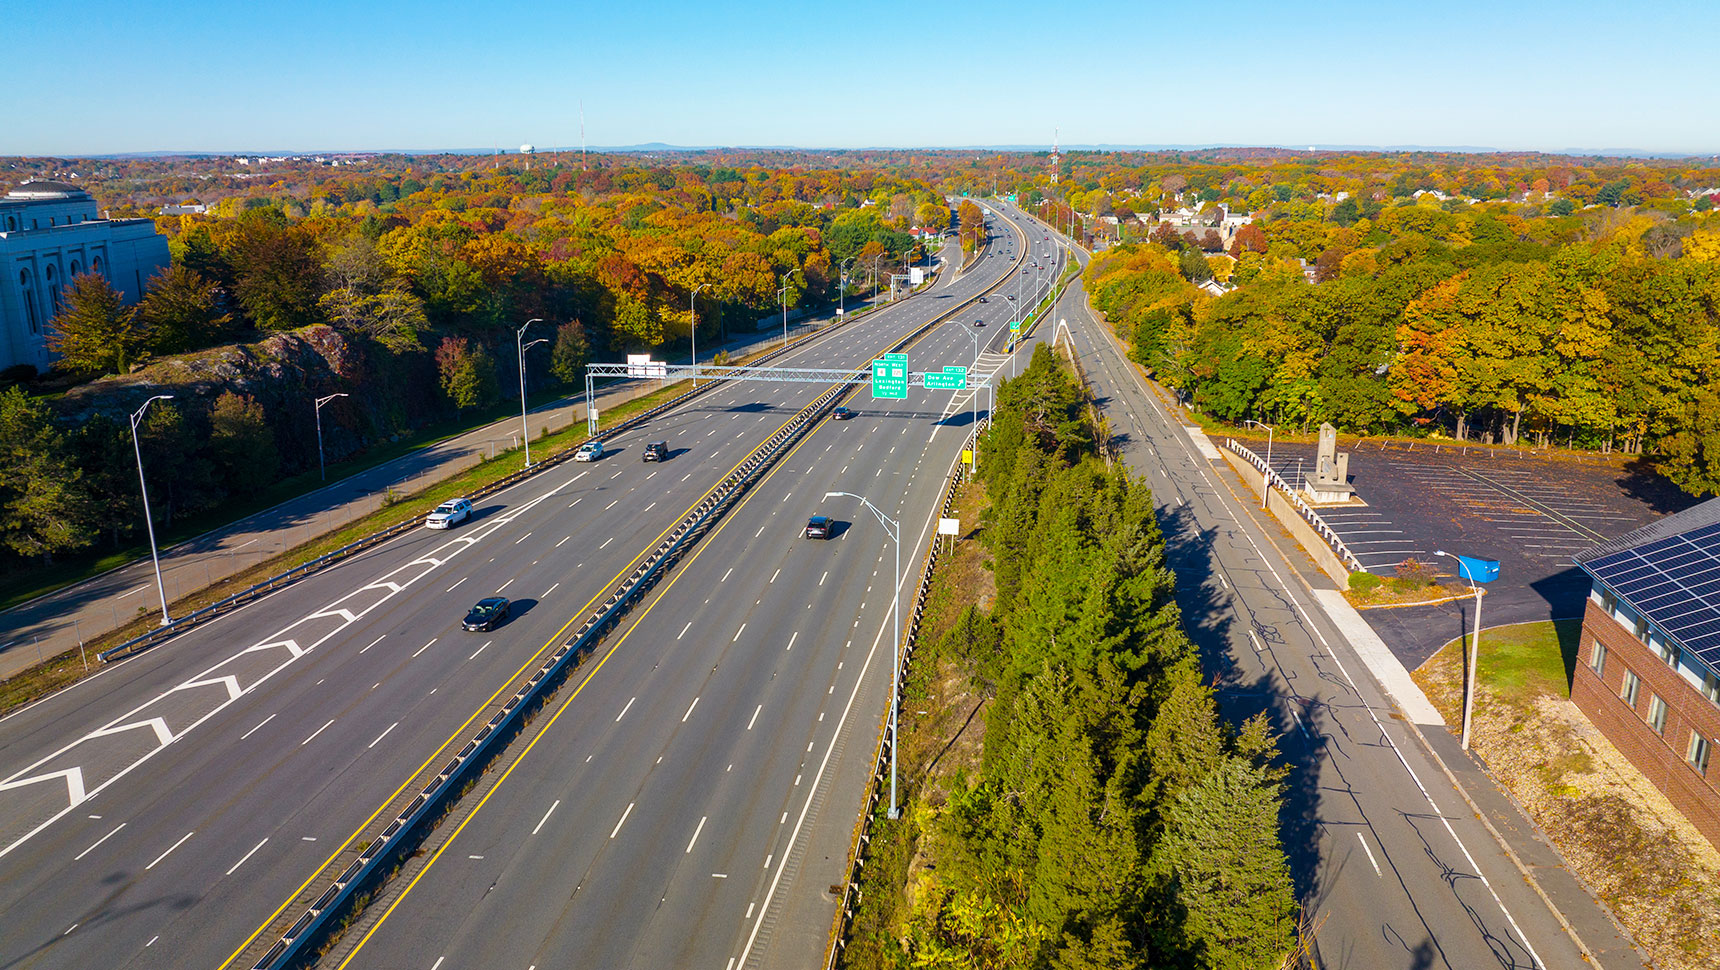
<point x="1648" y="671"/>
<point x="50" y="232"/>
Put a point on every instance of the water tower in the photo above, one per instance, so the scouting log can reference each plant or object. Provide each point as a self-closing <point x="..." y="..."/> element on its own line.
<point x="527" y="150"/>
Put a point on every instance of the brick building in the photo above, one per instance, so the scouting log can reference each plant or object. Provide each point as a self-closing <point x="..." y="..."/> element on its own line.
<point x="1648" y="671"/>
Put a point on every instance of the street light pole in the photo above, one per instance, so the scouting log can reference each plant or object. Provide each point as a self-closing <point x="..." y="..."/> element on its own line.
<point x="1474" y="652"/>
<point x="893" y="529"/>
<point x="322" y="470"/>
<point x="520" y="345"/>
<point x="149" y="524"/>
<point x="693" y="328"/>
<point x="1265" y="482"/>
<point x="782" y="292"/>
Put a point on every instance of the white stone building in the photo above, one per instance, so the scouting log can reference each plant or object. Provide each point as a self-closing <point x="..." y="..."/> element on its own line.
<point x="51" y="232"/>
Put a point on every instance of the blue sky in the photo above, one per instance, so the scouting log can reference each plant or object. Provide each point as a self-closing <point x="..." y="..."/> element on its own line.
<point x="147" y="75"/>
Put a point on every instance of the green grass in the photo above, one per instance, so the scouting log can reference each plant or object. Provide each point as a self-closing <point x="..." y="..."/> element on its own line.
<point x="1525" y="659"/>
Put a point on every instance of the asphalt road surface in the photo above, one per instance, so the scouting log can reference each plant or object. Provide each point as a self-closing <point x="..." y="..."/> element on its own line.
<point x="1391" y="865"/>
<point x="158" y="813"/>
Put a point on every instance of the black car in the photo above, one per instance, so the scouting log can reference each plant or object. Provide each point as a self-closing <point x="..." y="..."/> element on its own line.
<point x="841" y="414"/>
<point x="488" y="612"/>
<point x="979" y="323"/>
<point x="656" y="451"/>
<point x="818" y="527"/>
<point x="982" y="299"/>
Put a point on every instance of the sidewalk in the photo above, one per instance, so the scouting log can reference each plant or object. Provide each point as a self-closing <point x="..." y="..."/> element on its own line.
<point x="62" y="620"/>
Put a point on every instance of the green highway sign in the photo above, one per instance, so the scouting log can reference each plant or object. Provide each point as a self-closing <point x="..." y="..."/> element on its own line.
<point x="952" y="379"/>
<point x="1015" y="324"/>
<point x="890" y="377"/>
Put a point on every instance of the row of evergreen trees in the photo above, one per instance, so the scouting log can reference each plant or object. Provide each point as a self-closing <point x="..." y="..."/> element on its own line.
<point x="1116" y="821"/>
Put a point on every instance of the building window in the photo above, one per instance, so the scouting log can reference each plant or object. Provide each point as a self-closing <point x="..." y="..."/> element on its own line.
<point x="11" y="223"/>
<point x="1641" y="629"/>
<point x="1666" y="650"/>
<point x="1631" y="683"/>
<point x="1711" y="686"/>
<point x="29" y="300"/>
<point x="76" y="269"/>
<point x="1598" y="658"/>
<point x="96" y="264"/>
<point x="1657" y="714"/>
<point x="1697" y="753"/>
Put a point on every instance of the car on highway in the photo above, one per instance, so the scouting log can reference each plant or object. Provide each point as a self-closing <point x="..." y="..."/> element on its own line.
<point x="842" y="414"/>
<point x="656" y="451"/>
<point x="1010" y="297"/>
<point x="982" y="299"/>
<point x="449" y="514"/>
<point x="979" y="323"/>
<point x="818" y="527"/>
<point x="590" y="451"/>
<point x="488" y="612"/>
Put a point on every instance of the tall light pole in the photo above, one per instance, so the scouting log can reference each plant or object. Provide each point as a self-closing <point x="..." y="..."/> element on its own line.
<point x="1265" y="480"/>
<point x="322" y="470"/>
<point x="148" y="524"/>
<point x="520" y="345"/>
<point x="693" y="314"/>
<point x="842" y="288"/>
<point x="893" y="529"/>
<point x="782" y="292"/>
<point x="875" y="274"/>
<point x="1467" y="568"/>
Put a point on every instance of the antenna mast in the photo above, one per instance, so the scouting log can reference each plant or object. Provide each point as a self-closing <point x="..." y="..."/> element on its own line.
<point x="582" y="134"/>
<point x="1055" y="132"/>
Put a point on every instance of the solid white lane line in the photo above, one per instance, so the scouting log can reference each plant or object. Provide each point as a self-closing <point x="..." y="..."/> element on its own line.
<point x="739" y="632"/>
<point x="1370" y="853"/>
<point x="689" y="710"/>
<point x="456" y="585"/>
<point x="625" y="709"/>
<point x="171" y="848"/>
<point x="481" y="649"/>
<point x="551" y="589"/>
<point x="618" y="825"/>
<point x="754" y="720"/>
<point x="264" y="721"/>
<point x="546" y="816"/>
<point x="98" y="842"/>
<point x="522" y="538"/>
<point x="696" y="832"/>
<point x="684" y="630"/>
<point x="247" y="855"/>
<point x="315" y="733"/>
<point x="373" y="643"/>
<point x="426" y="646"/>
<point x="384" y="734"/>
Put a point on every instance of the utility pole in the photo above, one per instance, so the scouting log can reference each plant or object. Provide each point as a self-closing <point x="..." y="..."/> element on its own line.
<point x="149" y="523"/>
<point x="521" y="346"/>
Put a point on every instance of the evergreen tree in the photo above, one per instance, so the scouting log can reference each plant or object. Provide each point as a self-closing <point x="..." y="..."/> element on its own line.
<point x="95" y="332"/>
<point x="241" y="442"/>
<point x="570" y="353"/>
<point x="44" y="503"/>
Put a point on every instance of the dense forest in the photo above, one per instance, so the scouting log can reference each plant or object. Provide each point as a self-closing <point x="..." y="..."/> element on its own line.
<point x="1114" y="822"/>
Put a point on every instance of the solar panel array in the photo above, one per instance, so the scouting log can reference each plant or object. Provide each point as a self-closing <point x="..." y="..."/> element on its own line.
<point x="1675" y="583"/>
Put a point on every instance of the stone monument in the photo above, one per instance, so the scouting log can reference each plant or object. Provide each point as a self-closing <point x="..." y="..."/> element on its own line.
<point x="1329" y="482"/>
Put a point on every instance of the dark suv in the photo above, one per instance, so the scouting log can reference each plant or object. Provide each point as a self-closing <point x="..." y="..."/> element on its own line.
<point x="656" y="451"/>
<point x="818" y="527"/>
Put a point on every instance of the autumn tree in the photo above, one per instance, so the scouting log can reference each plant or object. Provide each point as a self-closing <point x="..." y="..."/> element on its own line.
<point x="95" y="332"/>
<point x="571" y="352"/>
<point x="241" y="443"/>
<point x="182" y="311"/>
<point x="468" y="373"/>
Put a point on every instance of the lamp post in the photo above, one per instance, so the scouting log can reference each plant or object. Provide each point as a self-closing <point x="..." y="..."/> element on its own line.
<point x="1463" y="567"/>
<point x="875" y="274"/>
<point x="693" y="328"/>
<point x="1265" y="482"/>
<point x="148" y="524"/>
<point x="893" y="529"/>
<point x="842" y="288"/>
<point x="782" y="291"/>
<point x="322" y="470"/>
<point x="521" y="345"/>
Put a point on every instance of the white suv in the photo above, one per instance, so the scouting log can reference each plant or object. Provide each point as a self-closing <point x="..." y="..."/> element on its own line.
<point x="449" y="514"/>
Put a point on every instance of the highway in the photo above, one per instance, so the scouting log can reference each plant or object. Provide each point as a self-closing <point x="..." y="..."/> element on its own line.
<point x="157" y="814"/>
<point x="1391" y="865"/>
<point x="691" y="804"/>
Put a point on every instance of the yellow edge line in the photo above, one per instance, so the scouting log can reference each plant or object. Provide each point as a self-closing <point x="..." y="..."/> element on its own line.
<point x="460" y="731"/>
<point x="564" y="706"/>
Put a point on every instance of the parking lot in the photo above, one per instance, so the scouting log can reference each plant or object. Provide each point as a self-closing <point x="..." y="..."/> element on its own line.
<point x="1531" y="513"/>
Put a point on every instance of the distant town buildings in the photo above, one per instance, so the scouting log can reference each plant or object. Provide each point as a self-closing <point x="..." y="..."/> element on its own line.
<point x="1648" y="671"/>
<point x="51" y="232"/>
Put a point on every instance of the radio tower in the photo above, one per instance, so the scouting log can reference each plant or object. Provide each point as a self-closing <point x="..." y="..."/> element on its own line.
<point x="1054" y="166"/>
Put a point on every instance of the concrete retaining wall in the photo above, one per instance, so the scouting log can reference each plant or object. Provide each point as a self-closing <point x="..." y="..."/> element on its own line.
<point x="1292" y="520"/>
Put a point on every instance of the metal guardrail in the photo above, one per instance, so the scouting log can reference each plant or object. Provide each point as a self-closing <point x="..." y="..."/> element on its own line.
<point x="721" y="497"/>
<point x="1273" y="480"/>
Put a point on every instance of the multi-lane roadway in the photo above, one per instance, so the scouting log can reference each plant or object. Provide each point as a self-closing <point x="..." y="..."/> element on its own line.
<point x="159" y="813"/>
